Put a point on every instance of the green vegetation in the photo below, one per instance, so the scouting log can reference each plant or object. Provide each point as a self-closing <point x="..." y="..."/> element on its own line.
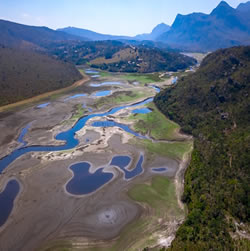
<point x="160" y="195"/>
<point x="105" y="74"/>
<point x="144" y="60"/>
<point x="78" y="113"/>
<point x="26" y="74"/>
<point x="121" y="97"/>
<point x="213" y="105"/>
<point x="175" y="150"/>
<point x="142" y="78"/>
<point x="155" y="124"/>
<point x="115" y="56"/>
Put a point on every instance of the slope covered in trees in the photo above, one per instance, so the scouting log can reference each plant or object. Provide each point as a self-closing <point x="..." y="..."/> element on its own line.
<point x="16" y="35"/>
<point x="25" y="74"/>
<point x="116" y="56"/>
<point x="213" y="105"/>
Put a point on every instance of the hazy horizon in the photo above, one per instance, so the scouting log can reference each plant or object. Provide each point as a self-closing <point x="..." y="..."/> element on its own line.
<point x="112" y="17"/>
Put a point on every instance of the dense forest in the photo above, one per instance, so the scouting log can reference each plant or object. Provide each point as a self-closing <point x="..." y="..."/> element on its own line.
<point x="213" y="105"/>
<point x="25" y="74"/>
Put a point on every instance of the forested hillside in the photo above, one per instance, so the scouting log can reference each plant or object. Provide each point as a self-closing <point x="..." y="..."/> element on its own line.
<point x="25" y="74"/>
<point x="16" y="35"/>
<point x="213" y="105"/>
<point x="116" y="56"/>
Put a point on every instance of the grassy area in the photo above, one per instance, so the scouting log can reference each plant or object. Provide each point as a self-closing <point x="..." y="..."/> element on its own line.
<point x="156" y="124"/>
<point x="79" y="112"/>
<point x="105" y="74"/>
<point x="159" y="195"/>
<point x="174" y="150"/>
<point x="122" y="97"/>
<point x="142" y="78"/>
<point x="58" y="246"/>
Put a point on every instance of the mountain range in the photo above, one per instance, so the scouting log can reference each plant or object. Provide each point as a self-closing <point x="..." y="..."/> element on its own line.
<point x="91" y="35"/>
<point x="25" y="36"/>
<point x="223" y="27"/>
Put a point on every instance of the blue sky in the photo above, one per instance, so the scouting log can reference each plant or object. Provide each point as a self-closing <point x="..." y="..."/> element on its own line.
<point x="120" y="17"/>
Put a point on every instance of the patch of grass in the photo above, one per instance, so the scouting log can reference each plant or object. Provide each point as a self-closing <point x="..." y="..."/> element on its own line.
<point x="78" y="113"/>
<point x="160" y="195"/>
<point x="142" y="78"/>
<point x="156" y="124"/>
<point x="104" y="74"/>
<point x="174" y="150"/>
<point x="121" y="97"/>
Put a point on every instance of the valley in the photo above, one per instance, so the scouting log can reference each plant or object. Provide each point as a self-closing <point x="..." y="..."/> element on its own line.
<point x="101" y="133"/>
<point x="130" y="132"/>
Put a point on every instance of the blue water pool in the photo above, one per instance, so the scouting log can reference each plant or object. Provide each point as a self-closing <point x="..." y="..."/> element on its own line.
<point x="141" y="111"/>
<point x="105" y="84"/>
<point x="43" y="105"/>
<point x="123" y="161"/>
<point x="174" y="81"/>
<point x="89" y="71"/>
<point x="102" y="93"/>
<point x="113" y="124"/>
<point x="7" y="198"/>
<point x="76" y="96"/>
<point x="157" y="89"/>
<point x="95" y="76"/>
<point x="84" y="182"/>
<point x="22" y="134"/>
<point x="68" y="137"/>
<point x="159" y="170"/>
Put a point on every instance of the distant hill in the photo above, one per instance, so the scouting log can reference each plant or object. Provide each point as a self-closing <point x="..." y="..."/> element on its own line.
<point x="223" y="27"/>
<point x="117" y="56"/>
<point x="244" y="7"/>
<point x="25" y="74"/>
<point x="213" y="105"/>
<point x="24" y="36"/>
<point x="156" y="32"/>
<point x="91" y="35"/>
<point x="94" y="36"/>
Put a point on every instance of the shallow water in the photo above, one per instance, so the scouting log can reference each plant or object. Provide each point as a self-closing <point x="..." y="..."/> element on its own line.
<point x="157" y="89"/>
<point x="22" y="134"/>
<point x="113" y="124"/>
<point x="43" y="105"/>
<point x="141" y="111"/>
<point x="68" y="137"/>
<point x="76" y="96"/>
<point x="95" y="76"/>
<point x="7" y="198"/>
<point x="105" y="84"/>
<point x="102" y="93"/>
<point x="123" y="161"/>
<point x="174" y="81"/>
<point x="89" y="71"/>
<point x="84" y="182"/>
<point x="159" y="170"/>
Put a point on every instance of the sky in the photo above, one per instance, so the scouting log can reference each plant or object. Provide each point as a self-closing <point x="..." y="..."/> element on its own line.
<point x="117" y="17"/>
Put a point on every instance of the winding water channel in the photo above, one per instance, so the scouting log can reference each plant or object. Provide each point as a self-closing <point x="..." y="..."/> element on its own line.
<point x="68" y="137"/>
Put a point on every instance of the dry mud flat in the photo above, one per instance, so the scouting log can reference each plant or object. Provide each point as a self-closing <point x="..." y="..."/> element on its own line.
<point x="44" y="211"/>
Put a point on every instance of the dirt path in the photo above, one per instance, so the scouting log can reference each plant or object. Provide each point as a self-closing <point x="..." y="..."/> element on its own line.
<point x="46" y="95"/>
